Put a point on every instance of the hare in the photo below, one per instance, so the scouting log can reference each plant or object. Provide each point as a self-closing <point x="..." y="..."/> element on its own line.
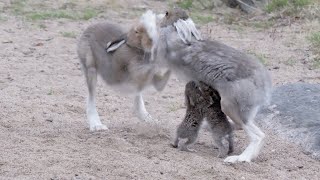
<point x="242" y="82"/>
<point x="122" y="59"/>
<point x="203" y="102"/>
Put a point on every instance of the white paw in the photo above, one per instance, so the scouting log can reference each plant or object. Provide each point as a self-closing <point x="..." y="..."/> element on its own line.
<point x="99" y="127"/>
<point x="188" y="150"/>
<point x="146" y="117"/>
<point x="234" y="159"/>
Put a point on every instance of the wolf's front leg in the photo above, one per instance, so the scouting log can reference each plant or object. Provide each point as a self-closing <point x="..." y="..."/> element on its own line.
<point x="140" y="110"/>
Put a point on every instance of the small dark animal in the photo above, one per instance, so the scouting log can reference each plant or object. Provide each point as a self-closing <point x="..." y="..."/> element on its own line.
<point x="203" y="102"/>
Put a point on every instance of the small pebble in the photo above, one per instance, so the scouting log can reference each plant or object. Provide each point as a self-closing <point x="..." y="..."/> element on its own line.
<point x="276" y="67"/>
<point x="49" y="120"/>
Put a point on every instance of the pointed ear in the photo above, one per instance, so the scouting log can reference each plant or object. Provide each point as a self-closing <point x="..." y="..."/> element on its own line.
<point x="189" y="101"/>
<point x="113" y="45"/>
<point x="139" y="28"/>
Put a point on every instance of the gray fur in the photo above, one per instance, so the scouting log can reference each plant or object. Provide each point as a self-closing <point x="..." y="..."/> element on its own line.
<point x="242" y="81"/>
<point x="127" y="67"/>
<point x="203" y="102"/>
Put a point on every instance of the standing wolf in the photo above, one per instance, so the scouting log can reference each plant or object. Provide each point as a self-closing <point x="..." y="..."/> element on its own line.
<point x="242" y="81"/>
<point x="123" y="59"/>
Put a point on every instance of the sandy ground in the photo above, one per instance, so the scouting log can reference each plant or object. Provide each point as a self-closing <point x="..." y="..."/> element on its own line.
<point x="43" y="129"/>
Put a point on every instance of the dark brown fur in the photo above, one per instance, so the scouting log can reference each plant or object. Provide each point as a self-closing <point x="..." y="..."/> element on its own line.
<point x="204" y="102"/>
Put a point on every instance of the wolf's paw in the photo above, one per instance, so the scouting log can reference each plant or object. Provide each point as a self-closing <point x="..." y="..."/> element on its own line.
<point x="146" y="117"/>
<point x="234" y="159"/>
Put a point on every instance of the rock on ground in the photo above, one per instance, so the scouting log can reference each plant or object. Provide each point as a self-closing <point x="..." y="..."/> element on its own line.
<point x="295" y="114"/>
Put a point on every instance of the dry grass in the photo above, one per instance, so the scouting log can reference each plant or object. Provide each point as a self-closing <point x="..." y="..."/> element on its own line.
<point x="306" y="9"/>
<point x="314" y="39"/>
<point x="69" y="34"/>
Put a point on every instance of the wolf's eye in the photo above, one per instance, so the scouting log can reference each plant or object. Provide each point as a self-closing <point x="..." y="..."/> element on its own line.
<point x="167" y="13"/>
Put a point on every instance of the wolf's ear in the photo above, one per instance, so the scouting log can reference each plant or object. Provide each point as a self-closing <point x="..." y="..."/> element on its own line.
<point x="113" y="45"/>
<point x="188" y="101"/>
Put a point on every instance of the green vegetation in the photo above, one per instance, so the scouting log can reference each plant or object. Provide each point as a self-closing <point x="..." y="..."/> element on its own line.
<point x="88" y="14"/>
<point x="43" y="15"/>
<point x="201" y="19"/>
<point x="50" y="92"/>
<point x="18" y="6"/>
<point x="301" y="3"/>
<point x="262" y="24"/>
<point x="185" y="4"/>
<point x="36" y="12"/>
<point x="69" y="34"/>
<point x="314" y="39"/>
<point x="229" y="18"/>
<point x="275" y="5"/>
<point x="262" y="58"/>
<point x="62" y="14"/>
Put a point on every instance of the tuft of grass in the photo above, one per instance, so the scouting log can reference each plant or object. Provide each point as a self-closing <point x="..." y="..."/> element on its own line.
<point x="230" y="19"/>
<point x="201" y="19"/>
<point x="276" y="5"/>
<point x="44" y="15"/>
<point x="62" y="14"/>
<point x="69" y="34"/>
<point x="314" y="39"/>
<point x="50" y="92"/>
<point x="185" y="4"/>
<point x="290" y="5"/>
<point x="88" y="14"/>
<point x="263" y="24"/>
<point x="262" y="58"/>
<point x="18" y="6"/>
<point x="34" y="12"/>
<point x="301" y="3"/>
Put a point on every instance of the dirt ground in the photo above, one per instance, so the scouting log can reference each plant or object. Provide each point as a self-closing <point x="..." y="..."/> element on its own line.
<point x="43" y="129"/>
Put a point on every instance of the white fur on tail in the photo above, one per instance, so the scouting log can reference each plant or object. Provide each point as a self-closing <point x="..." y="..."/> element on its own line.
<point x="187" y="28"/>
